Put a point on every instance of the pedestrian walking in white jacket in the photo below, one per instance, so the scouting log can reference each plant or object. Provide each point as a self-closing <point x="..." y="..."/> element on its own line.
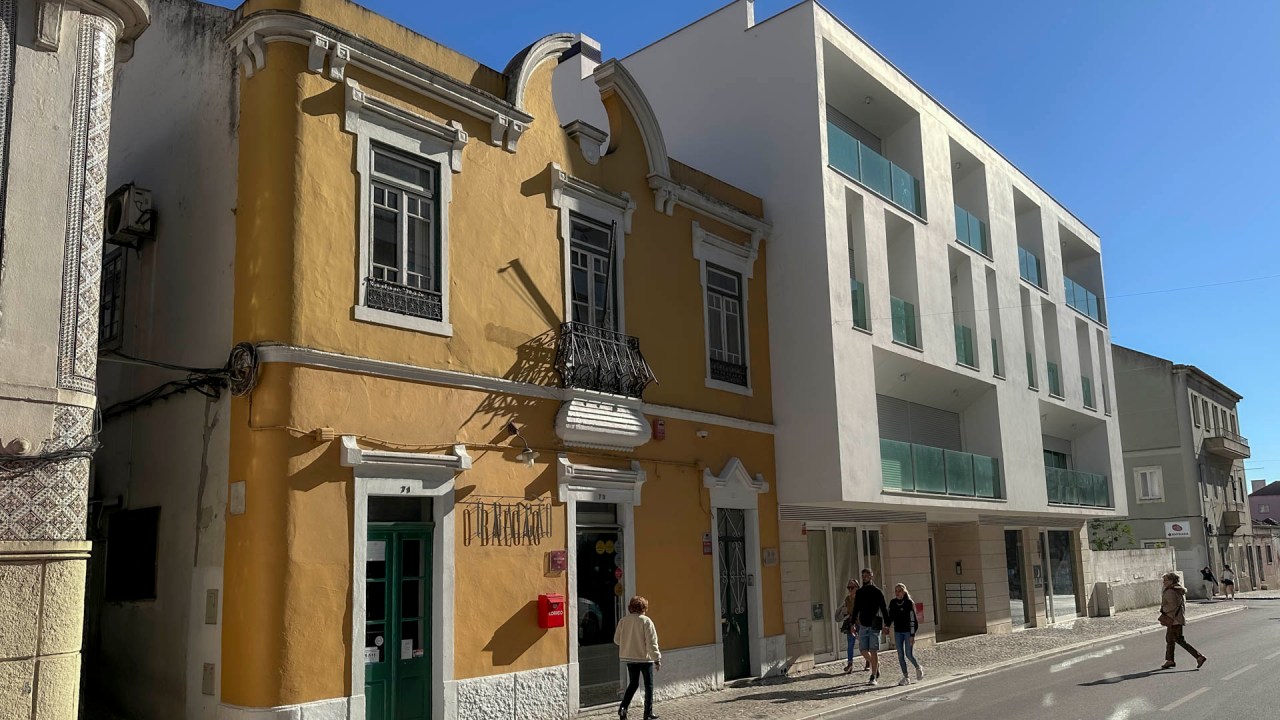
<point x="637" y="641"/>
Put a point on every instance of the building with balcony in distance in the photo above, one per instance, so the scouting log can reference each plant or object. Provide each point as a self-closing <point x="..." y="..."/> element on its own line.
<point x="57" y="63"/>
<point x="941" y="359"/>
<point x="500" y="363"/>
<point x="1184" y="466"/>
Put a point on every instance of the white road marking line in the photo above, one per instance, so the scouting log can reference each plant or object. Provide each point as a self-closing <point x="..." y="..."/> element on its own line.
<point x="1065" y="664"/>
<point x="1240" y="672"/>
<point x="1129" y="708"/>
<point x="1047" y="701"/>
<point x="1272" y="656"/>
<point x="1187" y="698"/>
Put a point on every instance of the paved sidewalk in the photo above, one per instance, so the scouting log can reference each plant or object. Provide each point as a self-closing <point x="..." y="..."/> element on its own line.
<point x="827" y="689"/>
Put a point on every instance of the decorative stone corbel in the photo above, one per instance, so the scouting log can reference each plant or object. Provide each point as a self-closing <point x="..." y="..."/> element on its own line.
<point x="352" y="106"/>
<point x="251" y="55"/>
<point x="498" y="129"/>
<point x="665" y="200"/>
<point x="590" y="139"/>
<point x="338" y="60"/>
<point x="320" y="46"/>
<point x="514" y="130"/>
<point x="459" y="142"/>
<point x="49" y="25"/>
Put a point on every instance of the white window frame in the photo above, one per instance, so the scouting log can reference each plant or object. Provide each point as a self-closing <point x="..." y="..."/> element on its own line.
<point x="373" y="120"/>
<point x="1157" y="473"/>
<point x="1264" y="509"/>
<point x="573" y="196"/>
<point x="1155" y="544"/>
<point x="734" y="257"/>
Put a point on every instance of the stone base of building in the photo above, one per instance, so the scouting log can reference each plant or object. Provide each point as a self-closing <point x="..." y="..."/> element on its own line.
<point x="42" y="596"/>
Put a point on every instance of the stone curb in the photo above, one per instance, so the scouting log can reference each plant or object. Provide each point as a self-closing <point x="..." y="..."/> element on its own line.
<point x="895" y="691"/>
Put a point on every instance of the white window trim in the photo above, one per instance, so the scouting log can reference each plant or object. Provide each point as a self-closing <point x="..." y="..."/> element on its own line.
<point x="405" y="475"/>
<point x="571" y="195"/>
<point x="738" y="258"/>
<point x="373" y="120"/>
<point x="1158" y="472"/>
<point x="735" y="489"/>
<point x="587" y="483"/>
<point x="1155" y="544"/>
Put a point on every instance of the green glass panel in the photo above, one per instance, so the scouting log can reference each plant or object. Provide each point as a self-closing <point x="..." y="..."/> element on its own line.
<point x="1029" y="267"/>
<point x="1055" y="380"/>
<point x="1053" y="478"/>
<point x="995" y="357"/>
<point x="986" y="477"/>
<point x="966" y="347"/>
<point x="859" y="304"/>
<point x="895" y="465"/>
<point x="905" y="189"/>
<point x="959" y="473"/>
<point x="876" y="173"/>
<point x="1086" y="386"/>
<point x="842" y="150"/>
<point x="1031" y="373"/>
<point x="977" y="235"/>
<point x="904" y="321"/>
<point x="962" y="225"/>
<point x="930" y="467"/>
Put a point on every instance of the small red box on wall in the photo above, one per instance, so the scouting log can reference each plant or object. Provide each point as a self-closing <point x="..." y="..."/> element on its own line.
<point x="550" y="610"/>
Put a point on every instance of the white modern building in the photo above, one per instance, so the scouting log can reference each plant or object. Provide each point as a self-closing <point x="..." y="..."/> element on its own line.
<point x="941" y="358"/>
<point x="57" y="63"/>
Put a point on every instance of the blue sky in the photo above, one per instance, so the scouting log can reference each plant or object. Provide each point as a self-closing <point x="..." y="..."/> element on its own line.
<point x="1157" y="122"/>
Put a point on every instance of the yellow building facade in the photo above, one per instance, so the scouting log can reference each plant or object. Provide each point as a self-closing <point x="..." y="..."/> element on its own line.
<point x="499" y="350"/>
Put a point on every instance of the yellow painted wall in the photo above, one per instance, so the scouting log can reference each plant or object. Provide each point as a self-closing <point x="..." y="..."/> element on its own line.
<point x="288" y="575"/>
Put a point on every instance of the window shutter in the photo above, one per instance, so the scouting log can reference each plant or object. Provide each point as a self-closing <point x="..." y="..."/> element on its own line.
<point x="895" y="423"/>
<point x="935" y="428"/>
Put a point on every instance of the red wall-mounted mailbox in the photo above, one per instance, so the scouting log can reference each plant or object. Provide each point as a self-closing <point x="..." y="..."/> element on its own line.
<point x="550" y="610"/>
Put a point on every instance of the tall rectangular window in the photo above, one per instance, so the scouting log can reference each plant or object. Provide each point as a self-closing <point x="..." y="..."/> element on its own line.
<point x="111" y="301"/>
<point x="1195" y="410"/>
<point x="405" y="270"/>
<point x="131" y="555"/>
<point x="724" y="325"/>
<point x="591" y="264"/>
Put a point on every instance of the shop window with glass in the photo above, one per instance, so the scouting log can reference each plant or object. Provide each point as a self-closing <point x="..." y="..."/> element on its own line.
<point x="1061" y="591"/>
<point x="725" y="326"/>
<point x="405" y="274"/>
<point x="837" y="555"/>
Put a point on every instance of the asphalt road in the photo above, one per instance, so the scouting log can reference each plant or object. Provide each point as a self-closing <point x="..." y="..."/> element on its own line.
<point x="1120" y="680"/>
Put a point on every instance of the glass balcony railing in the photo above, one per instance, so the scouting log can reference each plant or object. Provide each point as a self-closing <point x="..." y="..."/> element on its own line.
<point x="1032" y="382"/>
<point x="859" y="304"/>
<point x="872" y="169"/>
<point x="908" y="467"/>
<point x="996" y="368"/>
<point x="904" y="322"/>
<point x="1086" y="386"/>
<point x="966" y="347"/>
<point x="1082" y="299"/>
<point x="1030" y="267"/>
<point x="1071" y="487"/>
<point x="1055" y="380"/>
<point x="972" y="232"/>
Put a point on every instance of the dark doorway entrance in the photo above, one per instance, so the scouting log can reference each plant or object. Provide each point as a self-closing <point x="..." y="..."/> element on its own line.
<point x="600" y="602"/>
<point x="734" y="626"/>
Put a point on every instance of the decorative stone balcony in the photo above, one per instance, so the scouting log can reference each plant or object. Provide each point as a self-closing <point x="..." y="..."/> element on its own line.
<point x="1226" y="444"/>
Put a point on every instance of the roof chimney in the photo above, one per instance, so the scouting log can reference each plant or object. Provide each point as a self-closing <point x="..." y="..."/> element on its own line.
<point x="1258" y="485"/>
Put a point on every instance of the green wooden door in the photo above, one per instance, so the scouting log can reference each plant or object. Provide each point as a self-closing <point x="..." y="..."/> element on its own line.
<point x="733" y="593"/>
<point x="397" y="670"/>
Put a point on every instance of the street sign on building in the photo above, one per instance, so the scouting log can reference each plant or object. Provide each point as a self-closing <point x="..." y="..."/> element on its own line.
<point x="1177" y="529"/>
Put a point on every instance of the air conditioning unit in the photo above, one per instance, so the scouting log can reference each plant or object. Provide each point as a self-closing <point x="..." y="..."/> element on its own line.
<point x="129" y="217"/>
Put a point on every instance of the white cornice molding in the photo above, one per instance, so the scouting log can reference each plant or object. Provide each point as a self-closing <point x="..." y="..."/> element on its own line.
<point x="310" y="357"/>
<point x="734" y="487"/>
<point x="725" y="253"/>
<point x="590" y="139"/>
<point x="563" y="183"/>
<point x="366" y="463"/>
<point x="614" y="79"/>
<point x="130" y="17"/>
<point x="326" y="42"/>
<point x="359" y="103"/>
<point x="668" y="193"/>
<point x="591" y="483"/>
<point x="520" y="70"/>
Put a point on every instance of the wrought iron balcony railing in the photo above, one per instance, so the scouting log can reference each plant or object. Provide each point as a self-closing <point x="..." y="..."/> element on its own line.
<point x="592" y="358"/>
<point x="402" y="299"/>
<point x="729" y="372"/>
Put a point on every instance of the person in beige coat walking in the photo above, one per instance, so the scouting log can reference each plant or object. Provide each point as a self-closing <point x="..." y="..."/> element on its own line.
<point x="637" y="641"/>
<point x="1173" y="607"/>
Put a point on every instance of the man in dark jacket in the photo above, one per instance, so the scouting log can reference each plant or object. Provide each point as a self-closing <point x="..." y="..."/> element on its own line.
<point x="870" y="613"/>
